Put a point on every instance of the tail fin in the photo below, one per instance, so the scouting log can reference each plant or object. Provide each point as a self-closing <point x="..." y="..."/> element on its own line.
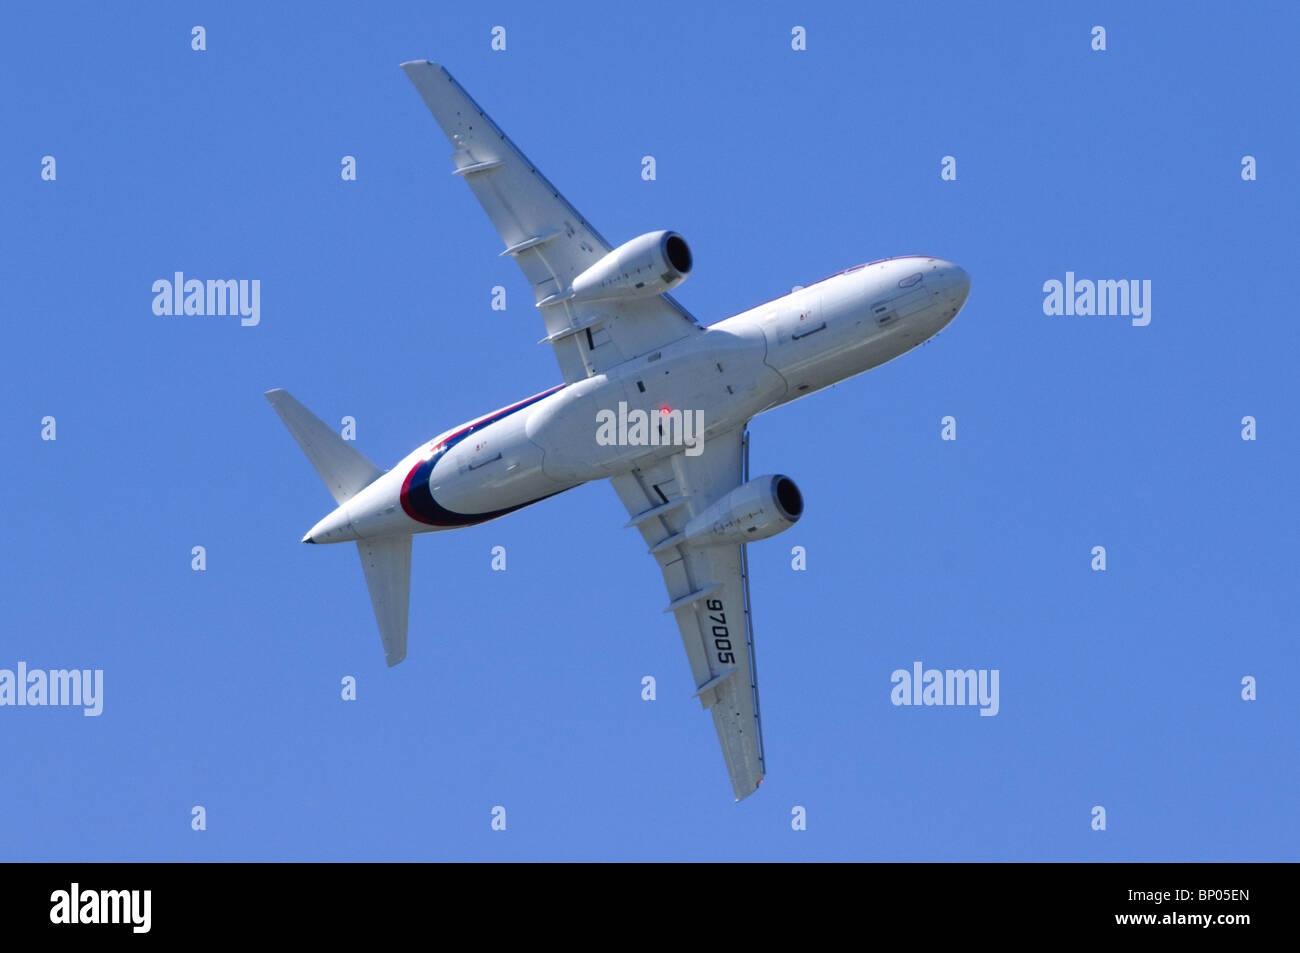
<point x="387" y="563"/>
<point x="343" y="468"/>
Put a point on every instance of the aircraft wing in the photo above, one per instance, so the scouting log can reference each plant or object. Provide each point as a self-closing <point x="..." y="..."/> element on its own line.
<point x="548" y="239"/>
<point x="708" y="591"/>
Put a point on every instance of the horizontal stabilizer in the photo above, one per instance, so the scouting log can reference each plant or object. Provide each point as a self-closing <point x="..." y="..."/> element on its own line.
<point x="344" y="469"/>
<point x="387" y="563"/>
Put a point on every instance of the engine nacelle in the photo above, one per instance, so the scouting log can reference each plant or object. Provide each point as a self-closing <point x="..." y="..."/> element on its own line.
<point x="649" y="264"/>
<point x="763" y="507"/>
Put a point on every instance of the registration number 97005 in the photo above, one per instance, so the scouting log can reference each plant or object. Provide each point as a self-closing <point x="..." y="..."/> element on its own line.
<point x="721" y="634"/>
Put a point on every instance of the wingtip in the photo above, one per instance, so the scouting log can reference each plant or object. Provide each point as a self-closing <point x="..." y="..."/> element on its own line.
<point x="395" y="659"/>
<point x="410" y="65"/>
<point x="740" y="797"/>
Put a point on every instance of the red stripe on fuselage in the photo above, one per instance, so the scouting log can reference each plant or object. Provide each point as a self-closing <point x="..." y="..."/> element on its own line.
<point x="404" y="496"/>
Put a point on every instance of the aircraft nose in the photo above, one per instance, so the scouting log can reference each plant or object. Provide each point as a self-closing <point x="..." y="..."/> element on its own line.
<point x="959" y="281"/>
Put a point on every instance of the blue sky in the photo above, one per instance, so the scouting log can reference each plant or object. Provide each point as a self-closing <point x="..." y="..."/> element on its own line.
<point x="522" y="689"/>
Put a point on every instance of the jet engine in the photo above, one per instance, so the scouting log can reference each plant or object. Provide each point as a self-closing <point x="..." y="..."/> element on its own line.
<point x="763" y="507"/>
<point x="649" y="264"/>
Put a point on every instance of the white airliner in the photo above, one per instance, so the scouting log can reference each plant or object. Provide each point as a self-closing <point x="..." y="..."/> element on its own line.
<point x="637" y="370"/>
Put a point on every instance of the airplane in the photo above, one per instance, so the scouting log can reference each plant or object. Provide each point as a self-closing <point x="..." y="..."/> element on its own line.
<point x="651" y="401"/>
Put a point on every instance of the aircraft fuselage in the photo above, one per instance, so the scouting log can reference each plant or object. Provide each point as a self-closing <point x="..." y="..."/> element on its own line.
<point x="738" y="368"/>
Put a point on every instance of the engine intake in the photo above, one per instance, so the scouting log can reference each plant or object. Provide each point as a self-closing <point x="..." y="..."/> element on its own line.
<point x="763" y="507"/>
<point x="649" y="264"/>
